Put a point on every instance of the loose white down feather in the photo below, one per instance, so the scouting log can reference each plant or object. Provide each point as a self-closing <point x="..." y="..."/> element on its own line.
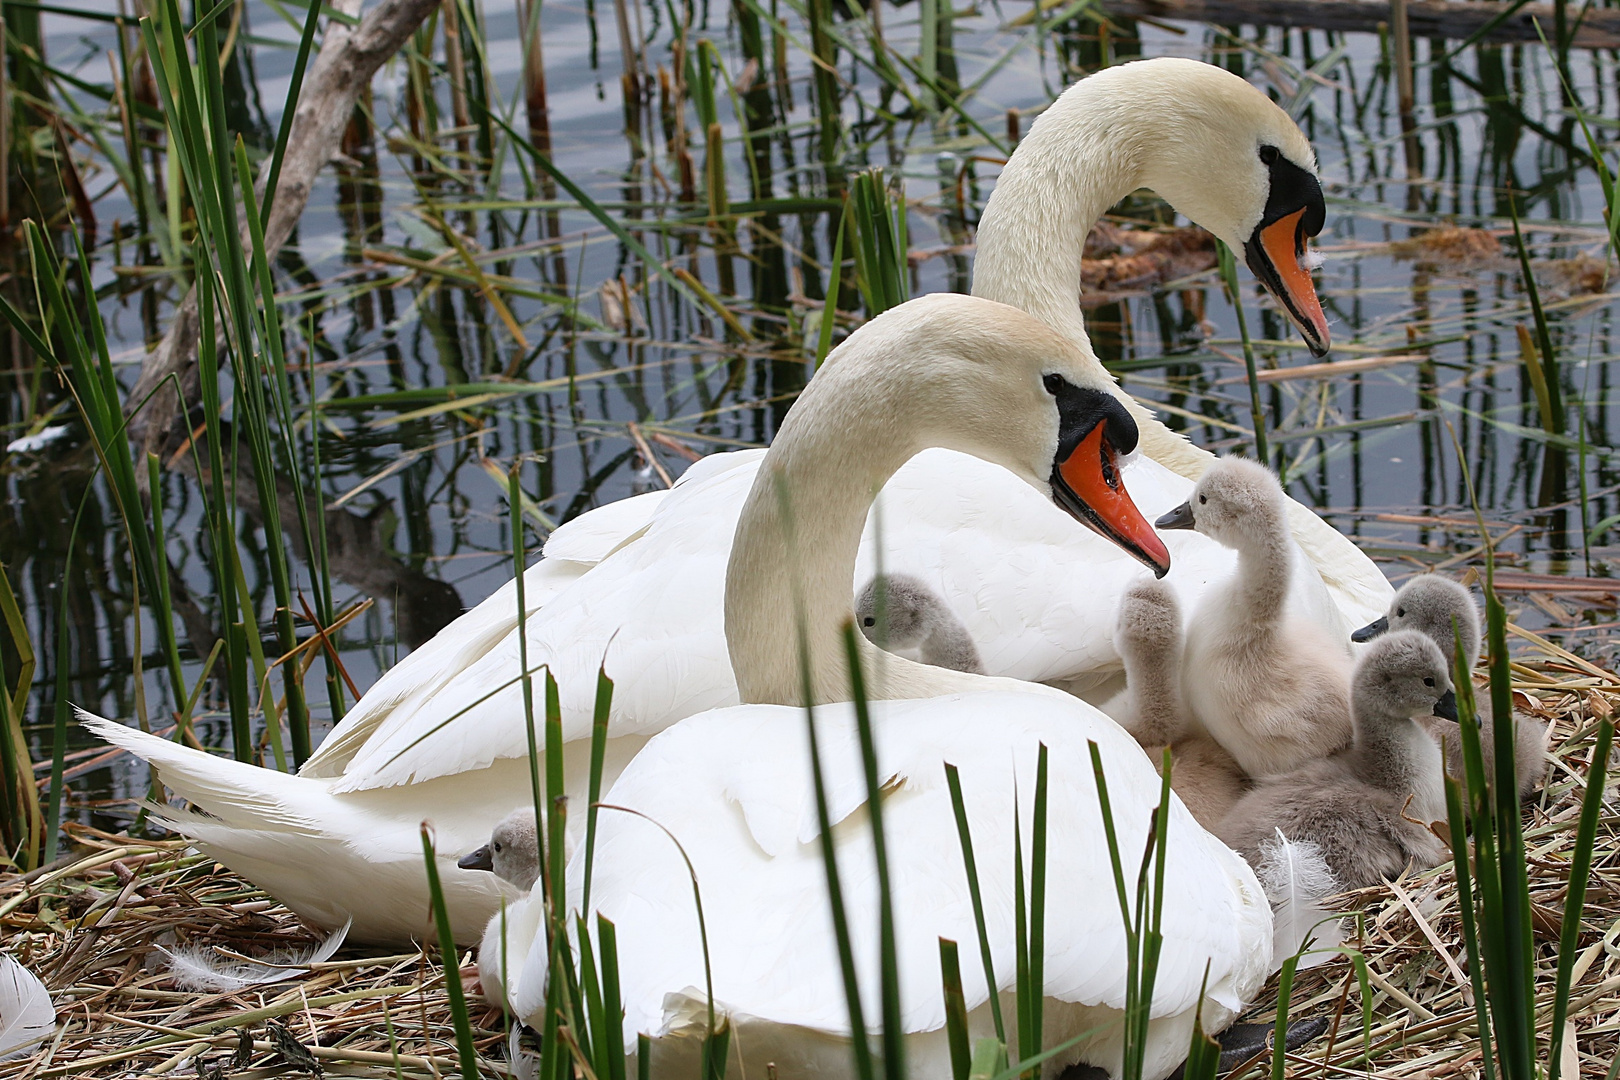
<point x="1297" y="881"/>
<point x="26" y="1013"/>
<point x="194" y="968"/>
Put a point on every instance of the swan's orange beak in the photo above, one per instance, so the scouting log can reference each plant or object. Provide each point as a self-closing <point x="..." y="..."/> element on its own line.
<point x="1274" y="255"/>
<point x="1087" y="484"/>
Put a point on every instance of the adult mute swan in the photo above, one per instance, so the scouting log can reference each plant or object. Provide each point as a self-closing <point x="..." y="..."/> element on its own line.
<point x="1004" y="561"/>
<point x="277" y="829"/>
<point x="733" y="785"/>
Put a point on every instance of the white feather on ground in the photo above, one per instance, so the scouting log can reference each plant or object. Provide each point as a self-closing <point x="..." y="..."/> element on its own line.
<point x="194" y="966"/>
<point x="27" y="1016"/>
<point x="1297" y="882"/>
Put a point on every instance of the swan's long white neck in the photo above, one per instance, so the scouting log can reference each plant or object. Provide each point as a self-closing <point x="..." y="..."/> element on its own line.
<point x="793" y="559"/>
<point x="1079" y="159"/>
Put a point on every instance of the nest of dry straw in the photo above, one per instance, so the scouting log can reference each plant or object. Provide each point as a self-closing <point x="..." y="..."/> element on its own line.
<point x="91" y="930"/>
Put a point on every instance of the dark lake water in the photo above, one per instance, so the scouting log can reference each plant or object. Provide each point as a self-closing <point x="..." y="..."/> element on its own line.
<point x="372" y="311"/>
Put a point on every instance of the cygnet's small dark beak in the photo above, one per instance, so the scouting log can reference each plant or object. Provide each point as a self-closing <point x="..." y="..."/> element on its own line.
<point x="481" y="859"/>
<point x="1371" y="630"/>
<point x="1179" y="518"/>
<point x="1446" y="707"/>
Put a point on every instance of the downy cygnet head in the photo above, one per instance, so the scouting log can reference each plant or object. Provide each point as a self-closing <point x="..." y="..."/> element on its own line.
<point x="1431" y="605"/>
<point x="1234" y="503"/>
<point x="1402" y="675"/>
<point x="513" y="851"/>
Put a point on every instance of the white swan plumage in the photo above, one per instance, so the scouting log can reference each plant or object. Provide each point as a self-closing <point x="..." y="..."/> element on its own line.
<point x="645" y="578"/>
<point x="733" y="785"/>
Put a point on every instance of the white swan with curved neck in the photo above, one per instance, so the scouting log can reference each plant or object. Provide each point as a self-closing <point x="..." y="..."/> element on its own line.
<point x="733" y="785"/>
<point x="442" y="734"/>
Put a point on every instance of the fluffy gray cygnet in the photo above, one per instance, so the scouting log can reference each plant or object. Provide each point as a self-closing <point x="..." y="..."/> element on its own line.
<point x="1433" y="605"/>
<point x="1273" y="690"/>
<point x="1367" y="806"/>
<point x="513" y="855"/>
<point x="513" y="851"/>
<point x="916" y="622"/>
<point x="1149" y="637"/>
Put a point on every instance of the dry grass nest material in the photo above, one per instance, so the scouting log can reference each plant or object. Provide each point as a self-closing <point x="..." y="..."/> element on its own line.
<point x="90" y="928"/>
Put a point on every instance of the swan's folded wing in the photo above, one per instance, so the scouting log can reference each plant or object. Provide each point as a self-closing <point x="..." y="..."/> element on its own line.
<point x="652" y="612"/>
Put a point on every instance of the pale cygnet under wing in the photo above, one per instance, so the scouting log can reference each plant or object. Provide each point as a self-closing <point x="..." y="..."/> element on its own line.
<point x="1149" y="635"/>
<point x="1273" y="690"/>
<point x="513" y="855"/>
<point x="1366" y="807"/>
<point x="909" y="618"/>
<point x="1434" y="606"/>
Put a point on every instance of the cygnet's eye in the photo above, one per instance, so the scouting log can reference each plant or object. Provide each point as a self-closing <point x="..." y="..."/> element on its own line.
<point x="1203" y="499"/>
<point x="1400" y="613"/>
<point x="869" y="621"/>
<point x="1269" y="155"/>
<point x="496" y="845"/>
<point x="1429" y="681"/>
<point x="1053" y="383"/>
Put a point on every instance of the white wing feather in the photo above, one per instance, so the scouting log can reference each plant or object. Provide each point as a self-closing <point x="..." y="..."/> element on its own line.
<point x="27" y="1016"/>
<point x="1297" y="881"/>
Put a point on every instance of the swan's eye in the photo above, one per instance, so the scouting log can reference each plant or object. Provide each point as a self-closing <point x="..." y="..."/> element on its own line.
<point x="1400" y="613"/>
<point x="1203" y="499"/>
<point x="1429" y="681"/>
<point x="869" y="621"/>
<point x="497" y="847"/>
<point x="1269" y="155"/>
<point x="1053" y="383"/>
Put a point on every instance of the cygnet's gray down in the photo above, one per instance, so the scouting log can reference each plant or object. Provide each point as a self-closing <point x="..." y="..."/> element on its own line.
<point x="1149" y="637"/>
<point x="513" y="855"/>
<point x="913" y="620"/>
<point x="1366" y="807"/>
<point x="1433" y="605"/>
<point x="1273" y="690"/>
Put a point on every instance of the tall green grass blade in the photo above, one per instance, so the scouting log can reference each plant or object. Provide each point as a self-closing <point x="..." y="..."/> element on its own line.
<point x="835" y="275"/>
<point x="599" y="735"/>
<point x="465" y="1053"/>
<point x="289" y="109"/>
<point x="1204" y="1054"/>
<point x="893" y="1034"/>
<point x="956" y="1013"/>
<point x="970" y="865"/>
<point x="1580" y="872"/>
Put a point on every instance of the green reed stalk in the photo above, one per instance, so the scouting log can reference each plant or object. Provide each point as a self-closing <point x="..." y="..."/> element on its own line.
<point x="1580" y="873"/>
<point x="599" y="736"/>
<point x="956" y="1014"/>
<point x="22" y="826"/>
<point x="1204" y="1054"/>
<point x="881" y="269"/>
<point x="965" y="838"/>
<point x="1257" y="414"/>
<point x="893" y="1034"/>
<point x="1545" y="379"/>
<point x="824" y="58"/>
<point x="465" y="1053"/>
<point x="1143" y="935"/>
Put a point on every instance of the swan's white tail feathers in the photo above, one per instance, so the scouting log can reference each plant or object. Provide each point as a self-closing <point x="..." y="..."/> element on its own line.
<point x="27" y="1016"/>
<point x="195" y="968"/>
<point x="1298" y="881"/>
<point x="232" y="793"/>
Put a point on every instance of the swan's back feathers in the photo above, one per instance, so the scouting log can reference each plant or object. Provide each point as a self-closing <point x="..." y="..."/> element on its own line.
<point x="754" y="849"/>
<point x="27" y="1016"/>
